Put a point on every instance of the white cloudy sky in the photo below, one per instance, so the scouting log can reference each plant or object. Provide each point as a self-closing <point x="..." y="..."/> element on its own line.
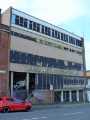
<point x="73" y="15"/>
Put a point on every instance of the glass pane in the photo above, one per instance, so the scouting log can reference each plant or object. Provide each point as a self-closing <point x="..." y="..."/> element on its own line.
<point x="39" y="86"/>
<point x="48" y="81"/>
<point x="44" y="81"/>
<point x="42" y="28"/>
<point x="30" y="24"/>
<point x="25" y="23"/>
<point x="21" y="21"/>
<point x="13" y="19"/>
<point x="17" y="20"/>
<point x="38" y="27"/>
<point x="51" y="79"/>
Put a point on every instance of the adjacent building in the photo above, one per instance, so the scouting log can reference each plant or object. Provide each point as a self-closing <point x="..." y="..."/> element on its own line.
<point x="4" y="58"/>
<point x="88" y="85"/>
<point x="42" y="59"/>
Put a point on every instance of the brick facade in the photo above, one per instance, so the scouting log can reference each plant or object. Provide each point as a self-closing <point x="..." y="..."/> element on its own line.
<point x="4" y="59"/>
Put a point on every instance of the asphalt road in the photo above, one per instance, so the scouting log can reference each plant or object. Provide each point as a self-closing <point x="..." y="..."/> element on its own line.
<point x="72" y="112"/>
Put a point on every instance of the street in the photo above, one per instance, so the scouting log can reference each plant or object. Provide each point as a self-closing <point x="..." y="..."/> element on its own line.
<point x="72" y="112"/>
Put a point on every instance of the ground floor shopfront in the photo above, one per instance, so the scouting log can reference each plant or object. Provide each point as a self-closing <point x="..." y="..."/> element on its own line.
<point x="69" y="96"/>
<point x="46" y="88"/>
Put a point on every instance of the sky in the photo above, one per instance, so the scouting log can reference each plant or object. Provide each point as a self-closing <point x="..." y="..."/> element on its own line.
<point x="72" y="15"/>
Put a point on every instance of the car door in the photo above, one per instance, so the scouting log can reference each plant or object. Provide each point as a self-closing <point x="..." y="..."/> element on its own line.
<point x="15" y="105"/>
<point x="11" y="104"/>
<point x="19" y="104"/>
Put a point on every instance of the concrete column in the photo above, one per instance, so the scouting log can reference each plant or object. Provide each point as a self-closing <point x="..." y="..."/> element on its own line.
<point x="70" y="96"/>
<point x="61" y="96"/>
<point x="27" y="83"/>
<point x="11" y="90"/>
<point x="77" y="92"/>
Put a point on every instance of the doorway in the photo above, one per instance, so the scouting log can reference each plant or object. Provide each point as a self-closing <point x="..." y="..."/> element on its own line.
<point x="19" y="85"/>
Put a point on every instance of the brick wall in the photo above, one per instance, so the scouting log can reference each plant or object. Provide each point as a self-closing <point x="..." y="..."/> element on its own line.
<point x="4" y="59"/>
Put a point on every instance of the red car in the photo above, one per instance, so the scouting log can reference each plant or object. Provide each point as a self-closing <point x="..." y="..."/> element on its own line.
<point x="8" y="104"/>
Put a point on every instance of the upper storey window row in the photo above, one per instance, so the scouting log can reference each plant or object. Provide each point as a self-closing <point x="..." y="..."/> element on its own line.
<point x="23" y="22"/>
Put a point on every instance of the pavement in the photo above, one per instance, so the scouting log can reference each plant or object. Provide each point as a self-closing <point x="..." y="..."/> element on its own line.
<point x="58" y="105"/>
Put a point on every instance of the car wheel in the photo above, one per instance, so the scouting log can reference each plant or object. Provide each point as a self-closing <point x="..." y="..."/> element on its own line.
<point x="27" y="109"/>
<point x="6" y="110"/>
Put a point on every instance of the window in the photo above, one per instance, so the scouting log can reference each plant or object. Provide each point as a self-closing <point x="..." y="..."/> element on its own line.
<point x="79" y="43"/>
<point x="71" y="40"/>
<point x="65" y="37"/>
<point x="58" y="35"/>
<point x="38" y="27"/>
<point x="33" y="60"/>
<point x="34" y="26"/>
<point x="25" y="23"/>
<point x="23" y="36"/>
<point x="51" y="79"/>
<point x="29" y="59"/>
<point x="70" y="65"/>
<point x="13" y="19"/>
<point x="55" y="82"/>
<point x="40" y="82"/>
<point x="62" y="36"/>
<point x="13" y="56"/>
<point x="58" y="82"/>
<point x="30" y="25"/>
<point x="48" y="81"/>
<point x="43" y="29"/>
<point x="21" y="21"/>
<point x="44" y="78"/>
<point x="53" y="34"/>
<point x="61" y="63"/>
<point x="17" y="20"/>
<point x="49" y="32"/>
<point x="38" y="60"/>
<point x="23" y="58"/>
<point x="46" y="30"/>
